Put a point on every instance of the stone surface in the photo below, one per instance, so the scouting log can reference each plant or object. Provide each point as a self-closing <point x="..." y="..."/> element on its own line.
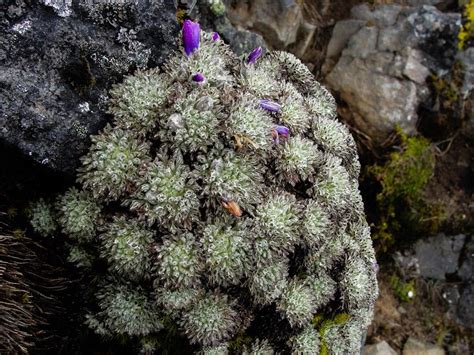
<point x="381" y="348"/>
<point x="466" y="58"/>
<point x="382" y="71"/>
<point x="465" y="309"/>
<point x="240" y="40"/>
<point x="58" y="62"/>
<point x="343" y="31"/>
<point x="416" y="347"/>
<point x="279" y="20"/>
<point x="439" y="256"/>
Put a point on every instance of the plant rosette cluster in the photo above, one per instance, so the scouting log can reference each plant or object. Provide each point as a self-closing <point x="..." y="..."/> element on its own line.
<point x="224" y="191"/>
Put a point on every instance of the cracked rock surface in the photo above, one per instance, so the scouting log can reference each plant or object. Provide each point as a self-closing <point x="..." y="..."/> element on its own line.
<point x="59" y="58"/>
<point x="380" y="58"/>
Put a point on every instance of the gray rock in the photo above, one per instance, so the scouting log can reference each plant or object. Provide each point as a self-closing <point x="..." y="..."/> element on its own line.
<point x="381" y="348"/>
<point x="341" y="34"/>
<point x="241" y="41"/>
<point x="466" y="271"/>
<point x="381" y="16"/>
<point x="414" y="69"/>
<point x="363" y="43"/>
<point x="416" y="347"/>
<point x="465" y="310"/>
<point x="466" y="58"/>
<point x="400" y="48"/>
<point x="382" y="101"/>
<point x="392" y="39"/>
<point x="278" y="20"/>
<point x="58" y="62"/>
<point x="438" y="256"/>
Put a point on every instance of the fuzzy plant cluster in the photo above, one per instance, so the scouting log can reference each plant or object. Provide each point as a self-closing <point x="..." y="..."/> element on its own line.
<point x="224" y="191"/>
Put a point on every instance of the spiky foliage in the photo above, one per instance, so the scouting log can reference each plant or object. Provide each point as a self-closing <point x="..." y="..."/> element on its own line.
<point x="80" y="257"/>
<point x="268" y="282"/>
<point x="78" y="214"/>
<point x="294" y="114"/>
<point x="250" y="124"/>
<point x="167" y="194"/>
<point x="227" y="251"/>
<point x="233" y="178"/>
<point x="210" y="320"/>
<point x="215" y="350"/>
<point x="317" y="224"/>
<point x="278" y="218"/>
<point x="323" y="288"/>
<point x="42" y="218"/>
<point x="297" y="303"/>
<point x="306" y="342"/>
<point x="124" y="311"/>
<point x="193" y="126"/>
<point x="126" y="245"/>
<point x="135" y="103"/>
<point x="259" y="347"/>
<point x="179" y="261"/>
<point x="298" y="161"/>
<point x="248" y="183"/>
<point x="177" y="299"/>
<point x="112" y="163"/>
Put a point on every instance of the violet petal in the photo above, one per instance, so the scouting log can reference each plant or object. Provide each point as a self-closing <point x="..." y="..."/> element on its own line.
<point x="215" y="36"/>
<point x="283" y="131"/>
<point x="270" y="105"/>
<point x="198" y="77"/>
<point x="191" y="36"/>
<point x="254" y="55"/>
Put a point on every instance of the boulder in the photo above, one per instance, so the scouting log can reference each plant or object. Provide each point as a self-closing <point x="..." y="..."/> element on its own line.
<point x="381" y="70"/>
<point x="381" y="348"/>
<point x="439" y="256"/>
<point x="416" y="347"/>
<point x="59" y="58"/>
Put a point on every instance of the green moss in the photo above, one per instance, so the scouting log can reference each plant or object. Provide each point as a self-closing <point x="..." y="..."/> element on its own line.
<point x="339" y="319"/>
<point x="405" y="291"/>
<point x="407" y="171"/>
<point x="403" y="178"/>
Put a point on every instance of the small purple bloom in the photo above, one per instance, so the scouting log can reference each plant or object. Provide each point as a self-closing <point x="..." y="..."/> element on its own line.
<point x="198" y="78"/>
<point x="191" y="36"/>
<point x="215" y="36"/>
<point x="270" y="105"/>
<point x="375" y="266"/>
<point x="254" y="55"/>
<point x="283" y="131"/>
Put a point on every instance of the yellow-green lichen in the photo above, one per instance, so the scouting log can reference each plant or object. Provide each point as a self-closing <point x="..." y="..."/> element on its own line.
<point x="467" y="29"/>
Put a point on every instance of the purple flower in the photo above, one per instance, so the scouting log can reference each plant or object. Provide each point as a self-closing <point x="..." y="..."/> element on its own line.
<point x="198" y="78"/>
<point x="270" y="105"/>
<point x="280" y="131"/>
<point x="375" y="266"/>
<point x="283" y="131"/>
<point x="191" y="36"/>
<point x="254" y="55"/>
<point x="215" y="36"/>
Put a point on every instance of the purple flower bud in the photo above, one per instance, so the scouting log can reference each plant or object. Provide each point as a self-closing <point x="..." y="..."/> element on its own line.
<point x="254" y="55"/>
<point x="283" y="131"/>
<point x="198" y="78"/>
<point x="375" y="266"/>
<point x="191" y="36"/>
<point x="215" y="36"/>
<point x="270" y="105"/>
